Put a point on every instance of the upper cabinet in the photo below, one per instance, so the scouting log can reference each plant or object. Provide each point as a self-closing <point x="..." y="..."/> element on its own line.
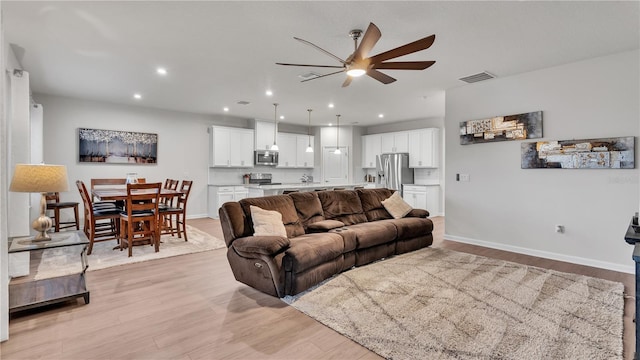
<point x="304" y="159"/>
<point x="395" y="142"/>
<point x="423" y="148"/>
<point x="292" y="153"/>
<point x="264" y="135"/>
<point x="230" y="147"/>
<point x="371" y="145"/>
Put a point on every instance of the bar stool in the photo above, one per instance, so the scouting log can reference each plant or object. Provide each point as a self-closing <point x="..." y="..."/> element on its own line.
<point x="54" y="204"/>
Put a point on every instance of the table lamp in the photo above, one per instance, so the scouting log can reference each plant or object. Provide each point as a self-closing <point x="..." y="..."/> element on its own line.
<point x="43" y="179"/>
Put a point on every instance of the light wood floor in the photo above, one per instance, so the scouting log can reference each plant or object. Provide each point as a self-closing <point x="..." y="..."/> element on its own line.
<point x="191" y="307"/>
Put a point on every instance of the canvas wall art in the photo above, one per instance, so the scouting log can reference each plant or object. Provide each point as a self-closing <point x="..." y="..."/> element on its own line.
<point x="606" y="153"/>
<point x="120" y="147"/>
<point x="502" y="128"/>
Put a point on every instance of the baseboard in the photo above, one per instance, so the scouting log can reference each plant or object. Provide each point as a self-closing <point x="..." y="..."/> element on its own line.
<point x="197" y="216"/>
<point x="630" y="269"/>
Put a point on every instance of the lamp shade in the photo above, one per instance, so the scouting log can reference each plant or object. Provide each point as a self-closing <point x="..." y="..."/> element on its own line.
<point x="39" y="178"/>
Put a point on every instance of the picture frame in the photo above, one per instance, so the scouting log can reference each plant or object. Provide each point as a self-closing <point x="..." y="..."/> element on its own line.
<point x="601" y="153"/>
<point x="117" y="147"/>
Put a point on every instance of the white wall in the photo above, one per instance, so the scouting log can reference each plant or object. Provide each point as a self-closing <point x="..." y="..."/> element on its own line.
<point x="516" y="209"/>
<point x="183" y="143"/>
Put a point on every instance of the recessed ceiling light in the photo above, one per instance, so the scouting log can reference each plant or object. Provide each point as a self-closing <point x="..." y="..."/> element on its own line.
<point x="380" y="116"/>
<point x="331" y="105"/>
<point x="225" y="109"/>
<point x="281" y="117"/>
<point x="137" y="96"/>
<point x="330" y="124"/>
<point x="269" y="92"/>
<point x="161" y="71"/>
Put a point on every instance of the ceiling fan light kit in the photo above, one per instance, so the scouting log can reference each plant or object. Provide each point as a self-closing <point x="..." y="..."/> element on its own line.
<point x="358" y="64"/>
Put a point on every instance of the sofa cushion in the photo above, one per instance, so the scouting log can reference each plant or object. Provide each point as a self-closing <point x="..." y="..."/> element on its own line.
<point x="418" y="213"/>
<point x="308" y="207"/>
<point x="309" y="250"/>
<point x="371" y="200"/>
<point x="267" y="222"/>
<point x="325" y="225"/>
<point x="342" y="206"/>
<point x="411" y="227"/>
<point x="396" y="206"/>
<point x="280" y="203"/>
<point x="373" y="233"/>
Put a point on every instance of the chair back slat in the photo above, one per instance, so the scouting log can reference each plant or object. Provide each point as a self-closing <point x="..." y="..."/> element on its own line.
<point x="142" y="197"/>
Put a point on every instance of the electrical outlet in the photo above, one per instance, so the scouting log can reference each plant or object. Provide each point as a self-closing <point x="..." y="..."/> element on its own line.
<point x="464" y="177"/>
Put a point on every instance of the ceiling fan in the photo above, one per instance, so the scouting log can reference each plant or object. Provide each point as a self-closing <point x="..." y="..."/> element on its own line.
<point x="358" y="64"/>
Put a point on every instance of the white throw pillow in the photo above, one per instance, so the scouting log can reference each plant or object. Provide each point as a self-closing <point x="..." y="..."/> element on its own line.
<point x="267" y="222"/>
<point x="396" y="206"/>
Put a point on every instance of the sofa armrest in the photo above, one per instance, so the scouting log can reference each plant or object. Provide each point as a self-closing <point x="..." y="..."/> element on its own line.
<point x="266" y="245"/>
<point x="421" y="213"/>
<point x="324" y="225"/>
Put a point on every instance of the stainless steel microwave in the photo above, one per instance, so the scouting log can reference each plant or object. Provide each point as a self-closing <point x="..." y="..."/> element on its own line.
<point x="266" y="157"/>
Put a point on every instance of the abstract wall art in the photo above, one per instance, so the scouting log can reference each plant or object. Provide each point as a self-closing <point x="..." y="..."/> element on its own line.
<point x="120" y="147"/>
<point x="502" y="128"/>
<point x="606" y="153"/>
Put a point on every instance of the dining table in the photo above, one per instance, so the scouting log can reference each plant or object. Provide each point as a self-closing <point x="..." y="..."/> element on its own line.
<point x="120" y="194"/>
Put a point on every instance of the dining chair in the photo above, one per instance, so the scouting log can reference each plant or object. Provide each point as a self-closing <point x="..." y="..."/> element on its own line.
<point x="100" y="224"/>
<point x="54" y="204"/>
<point x="179" y="211"/>
<point x="140" y="220"/>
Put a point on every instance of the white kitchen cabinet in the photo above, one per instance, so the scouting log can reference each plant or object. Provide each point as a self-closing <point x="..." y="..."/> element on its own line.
<point x="287" y="150"/>
<point x="424" y="145"/>
<point x="423" y="197"/>
<point x="230" y="147"/>
<point x="394" y="142"/>
<point x="264" y="135"/>
<point x="303" y="158"/>
<point x="219" y="195"/>
<point x="292" y="153"/>
<point x="371" y="145"/>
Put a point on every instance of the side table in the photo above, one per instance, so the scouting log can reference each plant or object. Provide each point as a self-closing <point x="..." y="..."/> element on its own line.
<point x="36" y="293"/>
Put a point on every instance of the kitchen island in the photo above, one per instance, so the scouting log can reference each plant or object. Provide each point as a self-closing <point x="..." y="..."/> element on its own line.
<point x="267" y="190"/>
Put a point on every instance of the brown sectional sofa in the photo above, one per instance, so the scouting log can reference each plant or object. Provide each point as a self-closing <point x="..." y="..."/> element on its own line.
<point x="327" y="232"/>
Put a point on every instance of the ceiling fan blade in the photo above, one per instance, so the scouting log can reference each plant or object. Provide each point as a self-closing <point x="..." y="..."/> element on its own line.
<point x="318" y="77"/>
<point x="404" y="65"/>
<point x="323" y="66"/>
<point x="347" y="81"/>
<point x="383" y="78"/>
<point x="406" y="49"/>
<point x="321" y="49"/>
<point x="369" y="40"/>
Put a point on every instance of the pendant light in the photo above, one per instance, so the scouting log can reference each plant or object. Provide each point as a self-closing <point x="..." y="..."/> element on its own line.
<point x="274" y="147"/>
<point x="337" y="152"/>
<point x="309" y="148"/>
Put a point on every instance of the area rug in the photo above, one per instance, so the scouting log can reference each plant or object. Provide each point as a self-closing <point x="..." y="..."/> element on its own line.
<point x="441" y="304"/>
<point x="66" y="260"/>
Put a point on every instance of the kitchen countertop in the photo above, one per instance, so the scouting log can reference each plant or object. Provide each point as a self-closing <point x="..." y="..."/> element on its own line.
<point x="300" y="186"/>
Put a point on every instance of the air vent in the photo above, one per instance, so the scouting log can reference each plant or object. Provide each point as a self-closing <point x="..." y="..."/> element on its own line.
<point x="308" y="76"/>
<point x="242" y="102"/>
<point x="477" y="77"/>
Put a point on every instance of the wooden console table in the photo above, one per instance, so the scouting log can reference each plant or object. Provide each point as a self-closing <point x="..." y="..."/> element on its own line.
<point x="36" y="293"/>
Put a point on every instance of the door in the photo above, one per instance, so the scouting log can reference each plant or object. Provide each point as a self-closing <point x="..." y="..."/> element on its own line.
<point x="335" y="167"/>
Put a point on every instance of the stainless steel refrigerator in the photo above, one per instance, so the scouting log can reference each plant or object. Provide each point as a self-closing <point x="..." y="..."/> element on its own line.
<point x="393" y="170"/>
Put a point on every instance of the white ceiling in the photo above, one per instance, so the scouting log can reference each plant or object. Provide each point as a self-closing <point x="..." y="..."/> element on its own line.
<point x="218" y="53"/>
